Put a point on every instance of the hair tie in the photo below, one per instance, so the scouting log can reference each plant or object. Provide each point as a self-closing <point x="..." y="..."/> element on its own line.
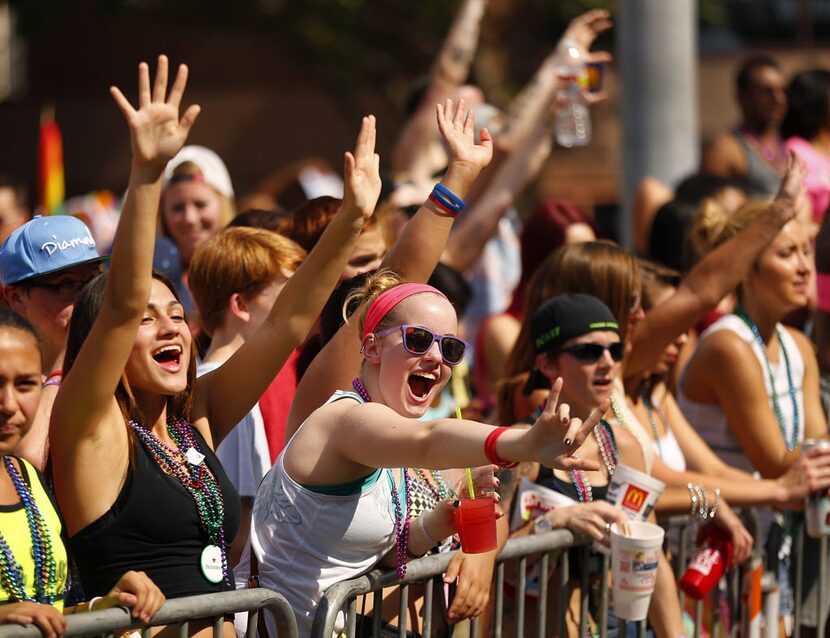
<point x="389" y="299"/>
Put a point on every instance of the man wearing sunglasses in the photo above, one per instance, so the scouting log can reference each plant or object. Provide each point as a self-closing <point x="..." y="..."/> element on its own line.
<point x="43" y="266"/>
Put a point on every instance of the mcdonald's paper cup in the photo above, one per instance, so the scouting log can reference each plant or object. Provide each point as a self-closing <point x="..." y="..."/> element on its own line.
<point x="634" y="560"/>
<point x="634" y="492"/>
<point x="817" y="507"/>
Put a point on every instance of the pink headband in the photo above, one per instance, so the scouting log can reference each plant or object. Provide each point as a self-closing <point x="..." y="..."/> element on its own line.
<point x="389" y="299"/>
<point x="823" y="290"/>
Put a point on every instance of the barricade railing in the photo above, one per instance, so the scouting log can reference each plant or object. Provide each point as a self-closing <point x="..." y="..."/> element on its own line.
<point x="180" y="612"/>
<point x="427" y="572"/>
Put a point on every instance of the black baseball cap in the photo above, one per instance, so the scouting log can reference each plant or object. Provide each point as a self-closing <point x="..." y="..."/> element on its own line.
<point x="562" y="318"/>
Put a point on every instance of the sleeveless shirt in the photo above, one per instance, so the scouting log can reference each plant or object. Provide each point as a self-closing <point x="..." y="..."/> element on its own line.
<point x="709" y="419"/>
<point x="307" y="538"/>
<point x="761" y="180"/>
<point x="14" y="526"/>
<point x="154" y="526"/>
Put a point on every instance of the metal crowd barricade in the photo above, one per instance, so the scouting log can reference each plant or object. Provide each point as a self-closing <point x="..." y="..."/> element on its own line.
<point x="179" y="612"/>
<point x="427" y="571"/>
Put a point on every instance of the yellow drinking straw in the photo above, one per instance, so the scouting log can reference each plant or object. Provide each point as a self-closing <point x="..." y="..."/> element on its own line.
<point x="470" y="487"/>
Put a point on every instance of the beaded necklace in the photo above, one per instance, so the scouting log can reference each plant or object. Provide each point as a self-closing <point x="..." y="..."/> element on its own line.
<point x="439" y="487"/>
<point x="649" y="406"/>
<point x="775" y="156"/>
<point x="401" y="514"/>
<point x="11" y="572"/>
<point x="610" y="458"/>
<point x="401" y="525"/>
<point x="361" y="390"/>
<point x="776" y="407"/>
<point x="186" y="464"/>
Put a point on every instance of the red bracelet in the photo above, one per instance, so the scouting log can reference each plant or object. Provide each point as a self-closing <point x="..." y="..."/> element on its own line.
<point x="440" y="205"/>
<point x="56" y="373"/>
<point x="490" y="449"/>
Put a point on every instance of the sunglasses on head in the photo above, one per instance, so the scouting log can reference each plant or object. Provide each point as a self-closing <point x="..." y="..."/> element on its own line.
<point x="419" y="340"/>
<point x="591" y="352"/>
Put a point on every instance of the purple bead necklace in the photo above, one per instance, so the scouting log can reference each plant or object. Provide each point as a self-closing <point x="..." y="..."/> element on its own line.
<point x="401" y="513"/>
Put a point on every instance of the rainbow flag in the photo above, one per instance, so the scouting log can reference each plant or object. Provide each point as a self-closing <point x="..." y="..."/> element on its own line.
<point x="50" y="164"/>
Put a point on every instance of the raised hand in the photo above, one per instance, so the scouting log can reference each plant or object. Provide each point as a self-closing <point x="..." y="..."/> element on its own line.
<point x="456" y="126"/>
<point x="584" y="29"/>
<point x="792" y="195"/>
<point x="156" y="131"/>
<point x="361" y="171"/>
<point x="555" y="437"/>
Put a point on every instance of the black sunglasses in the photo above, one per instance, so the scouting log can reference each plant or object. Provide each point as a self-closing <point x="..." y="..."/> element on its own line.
<point x="419" y="340"/>
<point x="591" y="352"/>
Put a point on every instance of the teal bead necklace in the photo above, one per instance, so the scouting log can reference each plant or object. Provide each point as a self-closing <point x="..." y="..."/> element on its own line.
<point x="776" y="407"/>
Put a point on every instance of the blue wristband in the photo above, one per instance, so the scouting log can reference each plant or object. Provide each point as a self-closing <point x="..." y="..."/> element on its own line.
<point x="448" y="195"/>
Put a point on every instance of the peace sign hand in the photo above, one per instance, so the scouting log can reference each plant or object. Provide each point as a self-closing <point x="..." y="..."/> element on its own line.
<point x="555" y="437"/>
<point x="156" y="132"/>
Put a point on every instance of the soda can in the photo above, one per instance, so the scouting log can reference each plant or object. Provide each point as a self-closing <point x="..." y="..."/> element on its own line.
<point x="817" y="506"/>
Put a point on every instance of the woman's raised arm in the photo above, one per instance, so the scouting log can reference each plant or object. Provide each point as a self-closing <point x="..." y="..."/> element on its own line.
<point x="225" y="395"/>
<point x="157" y="133"/>
<point x="411" y="155"/>
<point x="716" y="275"/>
<point x="414" y="257"/>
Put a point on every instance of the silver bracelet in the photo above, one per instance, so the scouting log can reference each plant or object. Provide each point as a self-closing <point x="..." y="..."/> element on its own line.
<point x="703" y="514"/>
<point x="714" y="509"/>
<point x="692" y="499"/>
<point x="424" y="531"/>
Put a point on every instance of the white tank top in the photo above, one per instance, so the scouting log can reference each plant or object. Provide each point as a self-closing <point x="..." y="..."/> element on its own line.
<point x="710" y="421"/>
<point x="630" y="422"/>
<point x="306" y="541"/>
<point x="668" y="449"/>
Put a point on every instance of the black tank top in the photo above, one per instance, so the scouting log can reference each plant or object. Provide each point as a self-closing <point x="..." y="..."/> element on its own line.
<point x="154" y="527"/>
<point x="546" y="478"/>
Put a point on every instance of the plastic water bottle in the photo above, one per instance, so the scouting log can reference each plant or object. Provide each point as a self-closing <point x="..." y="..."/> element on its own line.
<point x="573" y="119"/>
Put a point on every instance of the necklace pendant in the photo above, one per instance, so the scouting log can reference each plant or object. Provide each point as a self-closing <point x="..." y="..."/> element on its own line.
<point x="211" y="563"/>
<point x="193" y="456"/>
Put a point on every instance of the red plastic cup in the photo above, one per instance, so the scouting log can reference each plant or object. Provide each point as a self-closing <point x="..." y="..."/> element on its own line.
<point x="710" y="563"/>
<point x="475" y="520"/>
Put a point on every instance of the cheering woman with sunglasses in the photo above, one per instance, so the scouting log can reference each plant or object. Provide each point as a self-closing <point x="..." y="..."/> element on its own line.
<point x="576" y="337"/>
<point x="327" y="512"/>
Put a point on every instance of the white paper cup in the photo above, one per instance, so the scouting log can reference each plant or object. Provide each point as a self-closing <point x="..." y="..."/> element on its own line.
<point x="634" y="492"/>
<point x="634" y="561"/>
<point x="817" y="505"/>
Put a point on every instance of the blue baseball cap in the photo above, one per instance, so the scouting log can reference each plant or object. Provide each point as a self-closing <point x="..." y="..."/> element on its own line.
<point x="46" y="245"/>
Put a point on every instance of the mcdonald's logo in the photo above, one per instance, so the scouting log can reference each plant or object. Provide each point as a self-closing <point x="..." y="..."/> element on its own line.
<point x="634" y="498"/>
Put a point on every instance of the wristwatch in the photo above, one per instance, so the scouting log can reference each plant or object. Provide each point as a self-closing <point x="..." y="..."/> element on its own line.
<point x="542" y="524"/>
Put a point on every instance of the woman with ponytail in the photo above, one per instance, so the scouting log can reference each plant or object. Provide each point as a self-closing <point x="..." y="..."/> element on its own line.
<point x="751" y="388"/>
